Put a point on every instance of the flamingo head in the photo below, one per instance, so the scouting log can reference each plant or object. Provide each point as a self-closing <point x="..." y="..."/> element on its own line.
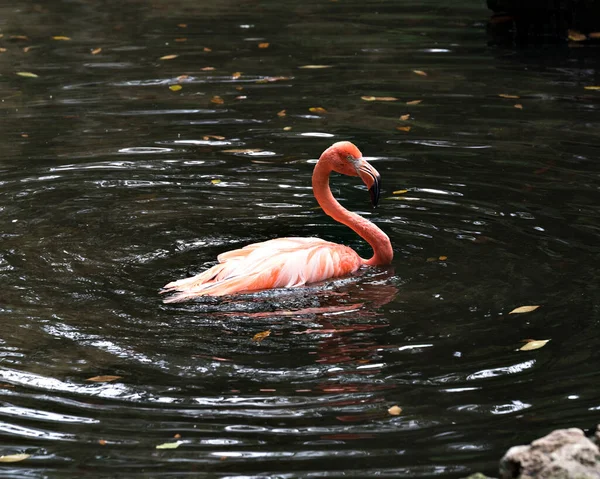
<point x="345" y="158"/>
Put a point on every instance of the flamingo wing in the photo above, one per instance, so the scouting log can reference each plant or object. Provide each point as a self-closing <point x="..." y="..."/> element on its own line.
<point x="277" y="263"/>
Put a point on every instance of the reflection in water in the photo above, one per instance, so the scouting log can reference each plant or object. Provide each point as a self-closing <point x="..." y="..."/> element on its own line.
<point x="106" y="190"/>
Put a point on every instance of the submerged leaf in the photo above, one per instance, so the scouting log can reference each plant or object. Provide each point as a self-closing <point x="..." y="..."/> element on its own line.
<point x="534" y="344"/>
<point x="14" y="457"/>
<point x="169" y="445"/>
<point x="258" y="337"/>
<point x="524" y="309"/>
<point x="103" y="379"/>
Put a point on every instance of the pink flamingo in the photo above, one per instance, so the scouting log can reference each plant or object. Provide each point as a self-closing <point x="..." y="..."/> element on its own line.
<point x="292" y="262"/>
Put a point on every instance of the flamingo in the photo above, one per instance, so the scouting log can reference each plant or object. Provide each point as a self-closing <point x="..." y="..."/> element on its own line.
<point x="292" y="262"/>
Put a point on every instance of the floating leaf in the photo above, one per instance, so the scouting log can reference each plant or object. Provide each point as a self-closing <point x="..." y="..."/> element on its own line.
<point x="181" y="40"/>
<point x="215" y="182"/>
<point x="103" y="379"/>
<point x="399" y="192"/>
<point x="175" y="87"/>
<point x="213" y="137"/>
<point x="594" y="35"/>
<point x="258" y="337"/>
<point x="182" y="25"/>
<point x="61" y="38"/>
<point x="576" y="36"/>
<point x="102" y="442"/>
<point x="281" y="113"/>
<point x="443" y="258"/>
<point x="182" y="77"/>
<point x="518" y="106"/>
<point x="206" y="49"/>
<point x="26" y="49"/>
<point x="524" y="309"/>
<point x="420" y="72"/>
<point x="403" y="128"/>
<point x="95" y="51"/>
<point x="168" y="57"/>
<point x="395" y="411"/>
<point x="592" y="87"/>
<point x="217" y="99"/>
<point x="177" y="436"/>
<point x="508" y="95"/>
<point x="207" y="69"/>
<point x="405" y="117"/>
<point x="14" y="457"/>
<point x="2" y="50"/>
<point x="287" y="128"/>
<point x="317" y="109"/>
<point x="413" y="102"/>
<point x="242" y="150"/>
<point x="19" y="37"/>
<point x="263" y="45"/>
<point x="379" y="98"/>
<point x="236" y="75"/>
<point x="534" y="344"/>
<point x="272" y="79"/>
<point x="314" y="67"/>
<point x="27" y="74"/>
<point x="169" y="445"/>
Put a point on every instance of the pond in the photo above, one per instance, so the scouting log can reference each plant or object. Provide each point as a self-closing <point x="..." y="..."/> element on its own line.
<point x="142" y="139"/>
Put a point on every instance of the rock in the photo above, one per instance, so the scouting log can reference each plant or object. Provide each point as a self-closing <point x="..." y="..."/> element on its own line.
<point x="562" y="454"/>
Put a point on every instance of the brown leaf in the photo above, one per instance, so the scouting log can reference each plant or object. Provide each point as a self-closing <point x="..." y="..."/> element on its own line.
<point x="403" y="128"/>
<point x="217" y="100"/>
<point x="405" y="117"/>
<point x="263" y="45"/>
<point x="182" y="77"/>
<point x="413" y="102"/>
<point x="102" y="442"/>
<point x="177" y="436"/>
<point x="103" y="379"/>
<point x="508" y="95"/>
<point x="523" y="309"/>
<point x="95" y="51"/>
<point x="236" y="75"/>
<point x="287" y="128"/>
<point x="207" y="69"/>
<point x="258" y="337"/>
<point x="518" y="106"/>
<point x="443" y="258"/>
<point x="317" y="109"/>
<point x="281" y="113"/>
<point x="2" y="50"/>
<point x="182" y="25"/>
<point x="168" y="57"/>
<point x="206" y="49"/>
<point x="534" y="344"/>
<point x="213" y="137"/>
<point x="576" y="36"/>
<point x="420" y="72"/>
<point x="395" y="411"/>
<point x="314" y="67"/>
<point x="19" y="37"/>
<point x="181" y="40"/>
<point x="378" y="98"/>
<point x="594" y="35"/>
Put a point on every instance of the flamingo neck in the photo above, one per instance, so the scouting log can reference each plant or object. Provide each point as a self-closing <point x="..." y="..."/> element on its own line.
<point x="379" y="241"/>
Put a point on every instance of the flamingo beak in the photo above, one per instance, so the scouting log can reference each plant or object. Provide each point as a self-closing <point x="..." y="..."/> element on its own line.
<point x="372" y="179"/>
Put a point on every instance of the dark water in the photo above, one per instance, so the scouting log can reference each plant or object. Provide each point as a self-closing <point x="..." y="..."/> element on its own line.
<point x="107" y="193"/>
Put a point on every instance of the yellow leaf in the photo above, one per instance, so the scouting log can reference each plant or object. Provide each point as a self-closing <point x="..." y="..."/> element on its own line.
<point x="2" y="50"/>
<point x="378" y="98"/>
<point x="534" y="344"/>
<point x="317" y="109"/>
<point x="258" y="337"/>
<point x="207" y="69"/>
<point x="95" y="51"/>
<point x="518" y="106"/>
<point x="168" y="57"/>
<point x="103" y="379"/>
<point x="403" y="128"/>
<point x="287" y="128"/>
<point x="26" y="49"/>
<point x="217" y="99"/>
<point x="443" y="258"/>
<point x="182" y="25"/>
<point x="27" y="74"/>
<point x="420" y="72"/>
<point x="215" y="182"/>
<point x="315" y="67"/>
<point x="399" y="192"/>
<point x="576" y="36"/>
<point x="60" y="37"/>
<point x="413" y="102"/>
<point x="175" y="87"/>
<point x="405" y="117"/>
<point x="14" y="457"/>
<point x="592" y="87"/>
<point x="507" y="95"/>
<point x="169" y="445"/>
<point x="395" y="411"/>
<point x="263" y="45"/>
<point x="281" y="113"/>
<point x="524" y="309"/>
<point x="236" y="75"/>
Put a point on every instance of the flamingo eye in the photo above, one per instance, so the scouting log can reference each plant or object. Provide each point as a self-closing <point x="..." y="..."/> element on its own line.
<point x="350" y="158"/>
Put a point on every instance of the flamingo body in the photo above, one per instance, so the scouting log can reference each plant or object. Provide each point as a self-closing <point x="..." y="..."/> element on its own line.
<point x="292" y="262"/>
<point x="277" y="263"/>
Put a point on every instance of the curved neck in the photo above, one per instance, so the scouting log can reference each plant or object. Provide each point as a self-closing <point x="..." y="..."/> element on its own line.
<point x="379" y="241"/>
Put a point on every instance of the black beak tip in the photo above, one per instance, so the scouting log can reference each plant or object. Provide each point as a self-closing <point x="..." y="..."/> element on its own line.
<point x="374" y="192"/>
